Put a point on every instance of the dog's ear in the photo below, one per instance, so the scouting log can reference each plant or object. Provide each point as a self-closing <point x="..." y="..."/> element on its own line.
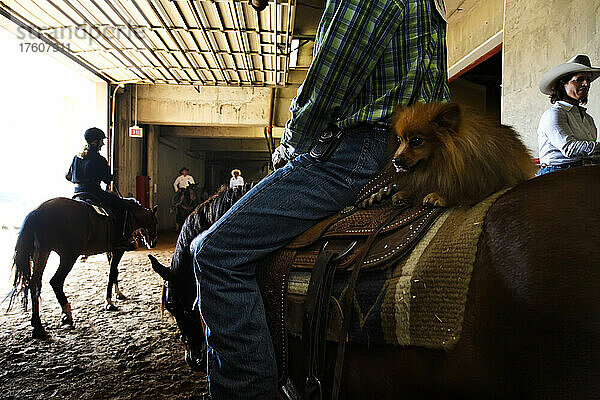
<point x="448" y="116"/>
<point x="398" y="111"/>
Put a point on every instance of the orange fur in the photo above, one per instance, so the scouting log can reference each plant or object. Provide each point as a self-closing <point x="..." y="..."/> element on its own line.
<point x="451" y="159"/>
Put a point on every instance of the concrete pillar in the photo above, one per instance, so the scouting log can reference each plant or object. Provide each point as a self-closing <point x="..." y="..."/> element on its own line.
<point x="153" y="134"/>
<point x="128" y="151"/>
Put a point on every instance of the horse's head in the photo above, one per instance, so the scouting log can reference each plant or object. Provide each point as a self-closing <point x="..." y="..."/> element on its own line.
<point x="145" y="224"/>
<point x="180" y="289"/>
<point x="189" y="198"/>
<point x="179" y="298"/>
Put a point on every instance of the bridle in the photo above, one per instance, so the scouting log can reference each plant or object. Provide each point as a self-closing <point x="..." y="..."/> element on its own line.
<point x="190" y="318"/>
<point x="142" y="233"/>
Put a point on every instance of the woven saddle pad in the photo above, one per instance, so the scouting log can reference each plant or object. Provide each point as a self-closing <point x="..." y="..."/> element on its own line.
<point x="398" y="229"/>
<point x="416" y="300"/>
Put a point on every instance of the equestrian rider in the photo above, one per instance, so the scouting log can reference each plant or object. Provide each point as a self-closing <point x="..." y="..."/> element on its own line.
<point x="369" y="56"/>
<point x="87" y="170"/>
<point x="183" y="180"/>
<point x="236" y="179"/>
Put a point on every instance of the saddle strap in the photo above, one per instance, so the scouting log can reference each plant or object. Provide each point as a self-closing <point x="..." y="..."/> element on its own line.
<point x="339" y="362"/>
<point x="314" y="321"/>
<point x="384" y="178"/>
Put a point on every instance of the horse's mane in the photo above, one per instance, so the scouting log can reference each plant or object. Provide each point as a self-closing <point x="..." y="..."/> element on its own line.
<point x="132" y="200"/>
<point x="203" y="216"/>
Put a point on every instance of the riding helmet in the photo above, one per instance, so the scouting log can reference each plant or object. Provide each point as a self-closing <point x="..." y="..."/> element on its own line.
<point x="93" y="134"/>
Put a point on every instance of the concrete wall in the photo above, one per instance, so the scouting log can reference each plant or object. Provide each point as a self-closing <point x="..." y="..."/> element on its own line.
<point x="209" y="106"/>
<point x="129" y="152"/>
<point x="479" y="21"/>
<point x="538" y="35"/>
<point x="217" y="106"/>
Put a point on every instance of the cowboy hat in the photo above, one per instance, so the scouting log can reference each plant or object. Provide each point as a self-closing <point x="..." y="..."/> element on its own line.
<point x="234" y="170"/>
<point x="181" y="170"/>
<point x="579" y="63"/>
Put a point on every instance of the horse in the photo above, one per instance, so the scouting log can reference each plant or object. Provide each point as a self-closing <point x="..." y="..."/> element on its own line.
<point x="532" y="315"/>
<point x="205" y="215"/>
<point x="70" y="228"/>
<point x="184" y="204"/>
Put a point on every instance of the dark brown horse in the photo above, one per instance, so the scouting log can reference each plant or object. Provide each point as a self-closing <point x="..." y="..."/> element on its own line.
<point x="532" y="319"/>
<point x="70" y="228"/>
<point x="198" y="221"/>
<point x="187" y="201"/>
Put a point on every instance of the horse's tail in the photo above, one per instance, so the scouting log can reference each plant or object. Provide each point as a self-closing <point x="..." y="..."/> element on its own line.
<point x="22" y="260"/>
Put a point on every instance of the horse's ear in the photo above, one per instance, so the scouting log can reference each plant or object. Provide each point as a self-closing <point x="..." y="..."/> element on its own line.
<point x="155" y="209"/>
<point x="159" y="268"/>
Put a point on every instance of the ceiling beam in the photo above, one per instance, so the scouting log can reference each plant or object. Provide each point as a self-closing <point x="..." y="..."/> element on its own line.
<point x="219" y="132"/>
<point x="229" y="145"/>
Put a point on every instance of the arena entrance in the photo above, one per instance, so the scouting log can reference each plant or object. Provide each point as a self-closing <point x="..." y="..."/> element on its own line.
<point x="210" y="153"/>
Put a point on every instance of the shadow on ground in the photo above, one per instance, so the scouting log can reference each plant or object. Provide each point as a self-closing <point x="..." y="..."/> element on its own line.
<point x="131" y="353"/>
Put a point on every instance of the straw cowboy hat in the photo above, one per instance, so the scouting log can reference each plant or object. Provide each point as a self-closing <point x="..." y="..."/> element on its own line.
<point x="235" y="170"/>
<point x="579" y="63"/>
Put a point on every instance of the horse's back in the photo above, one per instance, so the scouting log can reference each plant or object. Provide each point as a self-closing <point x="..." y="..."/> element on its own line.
<point x="532" y="317"/>
<point x="545" y="238"/>
<point x="59" y="202"/>
<point x="67" y="225"/>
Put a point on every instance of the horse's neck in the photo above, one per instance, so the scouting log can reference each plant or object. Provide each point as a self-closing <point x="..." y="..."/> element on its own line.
<point x="135" y="215"/>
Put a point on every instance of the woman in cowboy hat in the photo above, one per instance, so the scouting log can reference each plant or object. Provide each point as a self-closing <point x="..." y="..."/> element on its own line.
<point x="567" y="133"/>
<point x="236" y="179"/>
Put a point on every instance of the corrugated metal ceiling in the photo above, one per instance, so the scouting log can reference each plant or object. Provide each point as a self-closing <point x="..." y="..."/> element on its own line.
<point x="193" y="42"/>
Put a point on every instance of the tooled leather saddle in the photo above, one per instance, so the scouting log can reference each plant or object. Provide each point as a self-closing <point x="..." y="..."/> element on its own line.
<point x="375" y="233"/>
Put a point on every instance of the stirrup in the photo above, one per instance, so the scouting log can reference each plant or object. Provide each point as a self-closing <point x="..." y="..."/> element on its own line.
<point x="289" y="391"/>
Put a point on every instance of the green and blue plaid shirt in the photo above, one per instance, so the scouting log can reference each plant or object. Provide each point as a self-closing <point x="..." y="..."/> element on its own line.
<point x="369" y="56"/>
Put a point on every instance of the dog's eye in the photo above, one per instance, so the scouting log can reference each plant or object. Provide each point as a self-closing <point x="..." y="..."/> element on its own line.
<point x="415" y="141"/>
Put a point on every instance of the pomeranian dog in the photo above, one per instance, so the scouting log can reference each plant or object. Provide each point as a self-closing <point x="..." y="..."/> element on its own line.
<point x="446" y="158"/>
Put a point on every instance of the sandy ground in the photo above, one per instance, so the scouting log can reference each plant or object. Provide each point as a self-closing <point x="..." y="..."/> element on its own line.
<point x="127" y="354"/>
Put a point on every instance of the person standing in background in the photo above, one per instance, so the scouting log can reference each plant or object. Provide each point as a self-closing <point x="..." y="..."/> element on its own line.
<point x="567" y="133"/>
<point x="236" y="179"/>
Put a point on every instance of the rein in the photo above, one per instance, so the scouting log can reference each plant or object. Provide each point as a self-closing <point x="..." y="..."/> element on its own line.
<point x="141" y="231"/>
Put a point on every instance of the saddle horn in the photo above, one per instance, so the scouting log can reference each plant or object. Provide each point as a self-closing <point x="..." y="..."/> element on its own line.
<point x="159" y="268"/>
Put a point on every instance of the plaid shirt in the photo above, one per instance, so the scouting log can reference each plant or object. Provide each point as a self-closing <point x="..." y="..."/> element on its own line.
<point x="369" y="56"/>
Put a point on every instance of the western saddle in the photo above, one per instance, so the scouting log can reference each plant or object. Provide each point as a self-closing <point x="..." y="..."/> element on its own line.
<point x="375" y="233"/>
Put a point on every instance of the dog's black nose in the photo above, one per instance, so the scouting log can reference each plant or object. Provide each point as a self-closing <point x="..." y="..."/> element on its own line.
<point x="399" y="165"/>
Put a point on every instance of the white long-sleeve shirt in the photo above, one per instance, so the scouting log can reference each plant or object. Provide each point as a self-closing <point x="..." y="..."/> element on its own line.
<point x="566" y="135"/>
<point x="233" y="182"/>
<point x="183" y="181"/>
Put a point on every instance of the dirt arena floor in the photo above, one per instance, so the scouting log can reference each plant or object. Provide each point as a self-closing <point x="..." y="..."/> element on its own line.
<point x="127" y="354"/>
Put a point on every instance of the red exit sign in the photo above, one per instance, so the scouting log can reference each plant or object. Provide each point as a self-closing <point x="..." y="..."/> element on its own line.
<point x="135" y="131"/>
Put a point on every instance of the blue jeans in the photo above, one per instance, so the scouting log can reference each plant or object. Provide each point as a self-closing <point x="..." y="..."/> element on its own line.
<point x="551" y="168"/>
<point x="241" y="360"/>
